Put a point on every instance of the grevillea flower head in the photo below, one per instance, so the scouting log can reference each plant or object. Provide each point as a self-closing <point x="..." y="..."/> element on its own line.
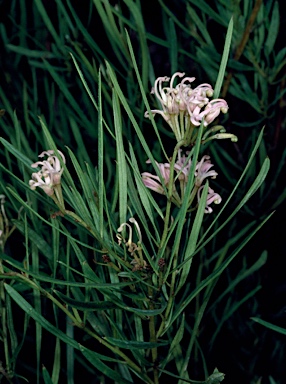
<point x="184" y="108"/>
<point x="182" y="168"/>
<point x="135" y="249"/>
<point x="50" y="174"/>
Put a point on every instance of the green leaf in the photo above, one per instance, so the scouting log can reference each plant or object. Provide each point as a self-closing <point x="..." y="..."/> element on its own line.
<point x="48" y="279"/>
<point x="208" y="10"/>
<point x="49" y="24"/>
<point x="145" y="312"/>
<point x="258" y="181"/>
<point x="65" y="91"/>
<point x="127" y="108"/>
<point x="224" y="60"/>
<point x="129" y="344"/>
<point x="241" y="276"/>
<point x="120" y="160"/>
<point x="24" y="159"/>
<point x="36" y="239"/>
<point x="269" y="325"/>
<point x="80" y="205"/>
<point x="201" y="25"/>
<point x="174" y="344"/>
<point x="173" y="46"/>
<point x="193" y="239"/>
<point x="94" y="359"/>
<point x="86" y="306"/>
<point x="146" y="197"/>
<point x="181" y="216"/>
<point x="100" y="154"/>
<point x="273" y="29"/>
<point x="216" y="273"/>
<point x="39" y="318"/>
<point x="57" y="362"/>
<point x="229" y="312"/>
<point x="46" y="376"/>
<point x="30" y="52"/>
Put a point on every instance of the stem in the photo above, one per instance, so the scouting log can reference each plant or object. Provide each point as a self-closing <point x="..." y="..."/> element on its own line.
<point x="80" y="221"/>
<point x="153" y="338"/>
<point x="4" y="328"/>
<point x="169" y="196"/>
<point x="243" y="43"/>
<point x="77" y="322"/>
<point x="3" y="323"/>
<point x="171" y="296"/>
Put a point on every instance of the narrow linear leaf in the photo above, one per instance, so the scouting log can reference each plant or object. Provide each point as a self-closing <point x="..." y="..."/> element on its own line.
<point x="94" y="359"/>
<point x="224" y="60"/>
<point x="273" y="29"/>
<point x="193" y="239"/>
<point x="86" y="306"/>
<point x="213" y="275"/>
<point x="129" y="344"/>
<point x="121" y="160"/>
<point x="46" y="376"/>
<point x="39" y="318"/>
<point x="269" y="325"/>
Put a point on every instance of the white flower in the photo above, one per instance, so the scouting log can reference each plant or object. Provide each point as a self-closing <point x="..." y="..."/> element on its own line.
<point x="50" y="174"/>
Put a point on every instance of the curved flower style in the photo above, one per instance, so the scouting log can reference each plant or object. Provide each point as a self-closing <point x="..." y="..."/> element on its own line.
<point x="41" y="181"/>
<point x="184" y="108"/>
<point x="50" y="175"/>
<point x="211" y="111"/>
<point x="203" y="170"/>
<point x="212" y="197"/>
<point x="172" y="99"/>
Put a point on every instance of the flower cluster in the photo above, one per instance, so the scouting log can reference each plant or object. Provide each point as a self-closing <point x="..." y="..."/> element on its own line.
<point x="182" y="168"/>
<point x="135" y="250"/>
<point x="49" y="176"/>
<point x="184" y="108"/>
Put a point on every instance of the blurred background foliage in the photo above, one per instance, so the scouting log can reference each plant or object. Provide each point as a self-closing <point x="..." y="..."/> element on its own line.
<point x="38" y="78"/>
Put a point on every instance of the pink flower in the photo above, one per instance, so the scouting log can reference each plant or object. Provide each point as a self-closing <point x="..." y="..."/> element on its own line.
<point x="212" y="197"/>
<point x="211" y="111"/>
<point x="184" y="108"/>
<point x="182" y="167"/>
<point x="203" y="170"/>
<point x="153" y="181"/>
<point x="172" y="99"/>
<point x="199" y="97"/>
